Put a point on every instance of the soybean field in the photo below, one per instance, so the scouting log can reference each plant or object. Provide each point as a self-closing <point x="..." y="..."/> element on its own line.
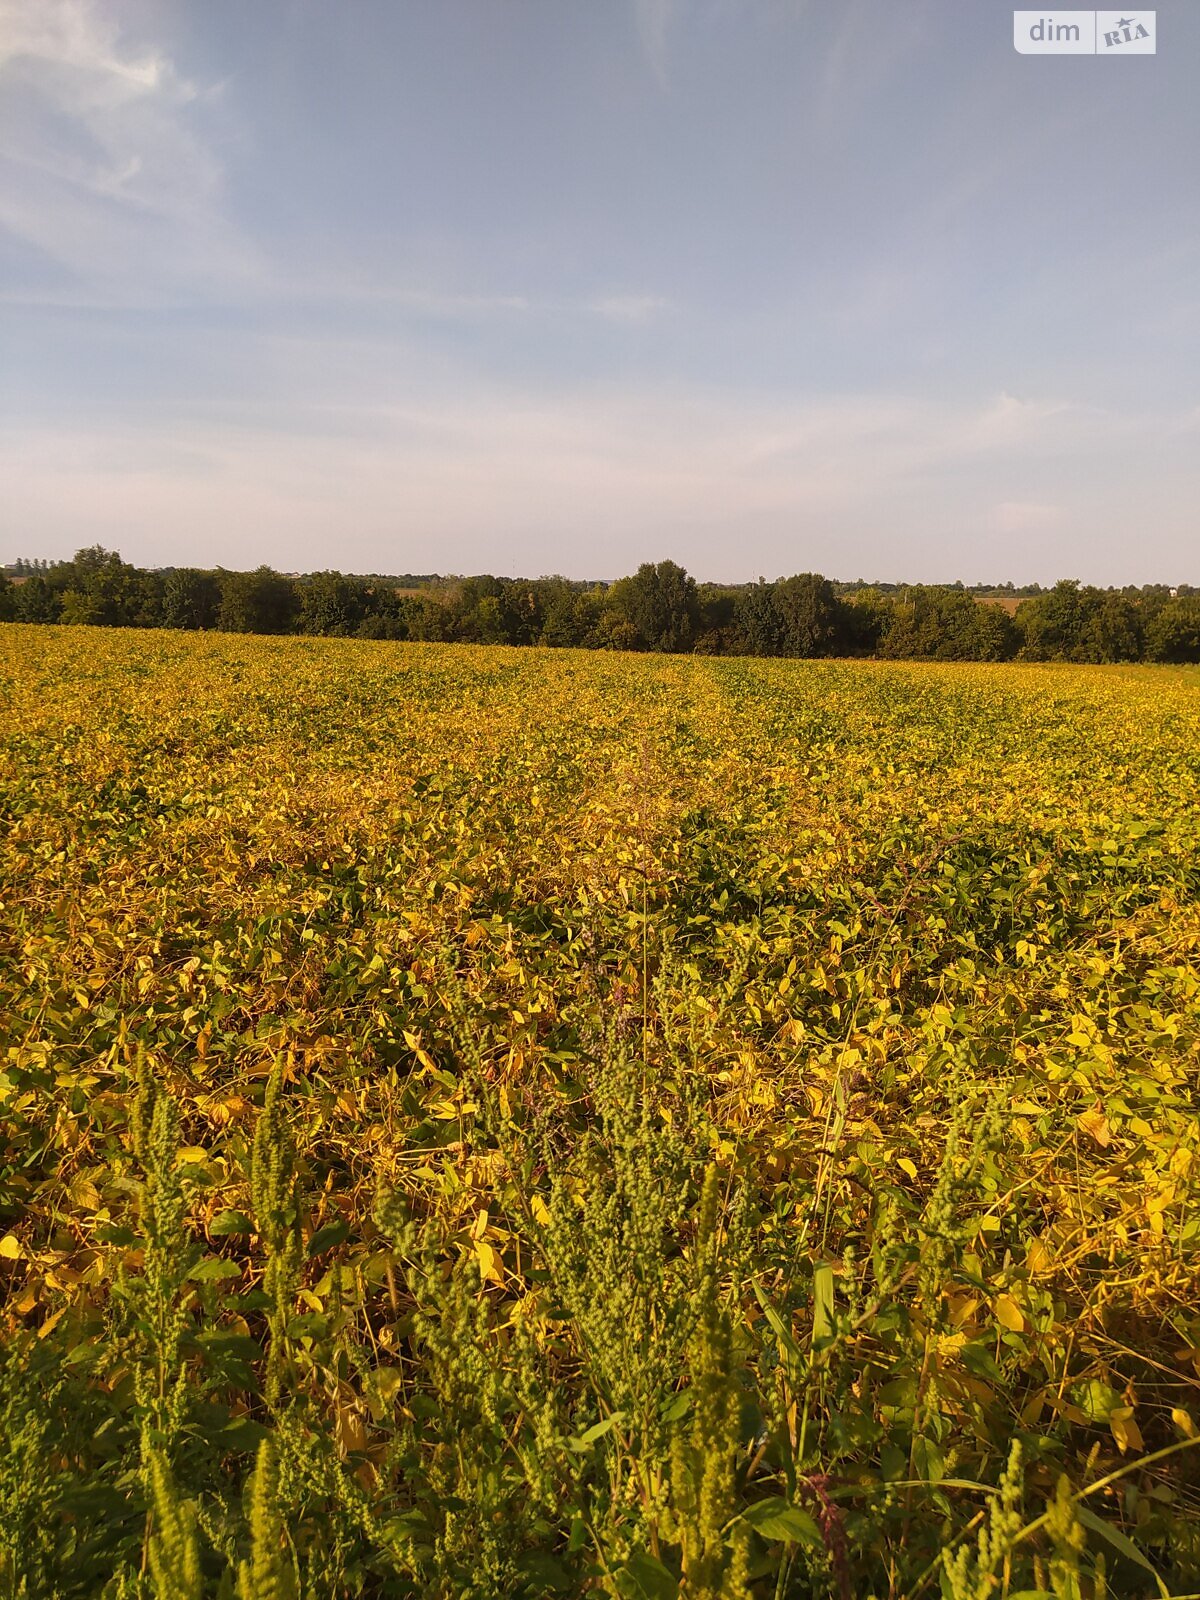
<point x="480" y="1123"/>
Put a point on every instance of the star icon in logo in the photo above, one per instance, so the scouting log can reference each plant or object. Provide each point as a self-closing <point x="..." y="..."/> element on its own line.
<point x="1125" y="22"/>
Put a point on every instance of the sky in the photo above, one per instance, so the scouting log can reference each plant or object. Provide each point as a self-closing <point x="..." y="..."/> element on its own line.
<point x="534" y="286"/>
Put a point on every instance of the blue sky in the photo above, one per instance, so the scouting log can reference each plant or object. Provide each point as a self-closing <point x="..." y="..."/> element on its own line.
<point x="531" y="286"/>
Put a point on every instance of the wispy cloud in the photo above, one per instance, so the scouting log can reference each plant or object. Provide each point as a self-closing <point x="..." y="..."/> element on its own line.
<point x="472" y="478"/>
<point x="869" y="44"/>
<point x="106" y="171"/>
<point x="1025" y="516"/>
<point x="631" y="308"/>
<point x="653" y="20"/>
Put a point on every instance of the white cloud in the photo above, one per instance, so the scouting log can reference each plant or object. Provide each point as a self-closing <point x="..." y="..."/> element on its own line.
<point x="369" y="471"/>
<point x="1024" y="516"/>
<point x="66" y="35"/>
<point x="632" y="308"/>
<point x="105" y="169"/>
<point x="653" y="19"/>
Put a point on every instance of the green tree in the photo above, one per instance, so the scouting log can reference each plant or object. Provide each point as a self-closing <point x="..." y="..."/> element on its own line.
<point x="867" y="615"/>
<point x="332" y="604"/>
<point x="994" y="634"/>
<point x="571" y="614"/>
<point x="933" y="623"/>
<point x="1053" y="624"/>
<point x="718" y="632"/>
<point x="97" y="588"/>
<point x="758" y="617"/>
<point x="1114" y="628"/>
<point x="191" y="599"/>
<point x="661" y="604"/>
<point x="426" y="616"/>
<point x="1174" y="635"/>
<point x="384" y="614"/>
<point x="262" y="601"/>
<point x="560" y="614"/>
<point x="810" y="616"/>
<point x="36" y="601"/>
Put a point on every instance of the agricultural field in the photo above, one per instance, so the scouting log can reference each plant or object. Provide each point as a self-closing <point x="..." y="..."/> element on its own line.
<point x="479" y="1122"/>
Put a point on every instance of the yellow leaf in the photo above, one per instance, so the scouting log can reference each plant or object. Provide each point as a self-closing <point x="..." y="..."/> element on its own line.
<point x="1033" y="1408"/>
<point x="223" y="1110"/>
<point x="961" y="1308"/>
<point x="11" y="1248"/>
<point x="949" y="1346"/>
<point x="907" y="1166"/>
<point x="1183" y="1421"/>
<point x="1009" y="1314"/>
<point x="1124" y="1429"/>
<point x="1038" y="1259"/>
<point x="350" y="1428"/>
<point x="1026" y="1108"/>
<point x="1096" y="1123"/>
<point x="489" y="1261"/>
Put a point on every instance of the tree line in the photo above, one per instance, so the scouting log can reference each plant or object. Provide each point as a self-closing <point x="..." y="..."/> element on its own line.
<point x="660" y="607"/>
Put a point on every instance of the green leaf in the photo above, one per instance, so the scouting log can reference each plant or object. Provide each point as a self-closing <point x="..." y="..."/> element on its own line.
<point x="927" y="1460"/>
<point x="644" y="1577"/>
<point x="1096" y="1400"/>
<point x="578" y="1535"/>
<point x="1120" y="1543"/>
<point x="978" y="1359"/>
<point x="120" y="1236"/>
<point x="677" y="1407"/>
<point x="547" y="1572"/>
<point x="777" y="1518"/>
<point x="213" y="1268"/>
<point x="228" y="1222"/>
<point x="596" y="1431"/>
<point x="787" y="1344"/>
<point x="243" y="1434"/>
<point x="822" y="1331"/>
<point x="239" y="1345"/>
<point x="333" y="1233"/>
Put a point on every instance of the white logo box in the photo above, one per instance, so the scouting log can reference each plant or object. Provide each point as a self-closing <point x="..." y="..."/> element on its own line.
<point x="1084" y="33"/>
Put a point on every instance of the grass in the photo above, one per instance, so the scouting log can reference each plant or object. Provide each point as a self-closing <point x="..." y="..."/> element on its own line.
<point x="480" y="1122"/>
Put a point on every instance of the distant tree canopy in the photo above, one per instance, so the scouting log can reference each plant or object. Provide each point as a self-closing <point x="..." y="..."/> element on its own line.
<point x="800" y="616"/>
<point x="262" y="601"/>
<point x="660" y="602"/>
<point x="659" y="608"/>
<point x="932" y="624"/>
<point x="191" y="599"/>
